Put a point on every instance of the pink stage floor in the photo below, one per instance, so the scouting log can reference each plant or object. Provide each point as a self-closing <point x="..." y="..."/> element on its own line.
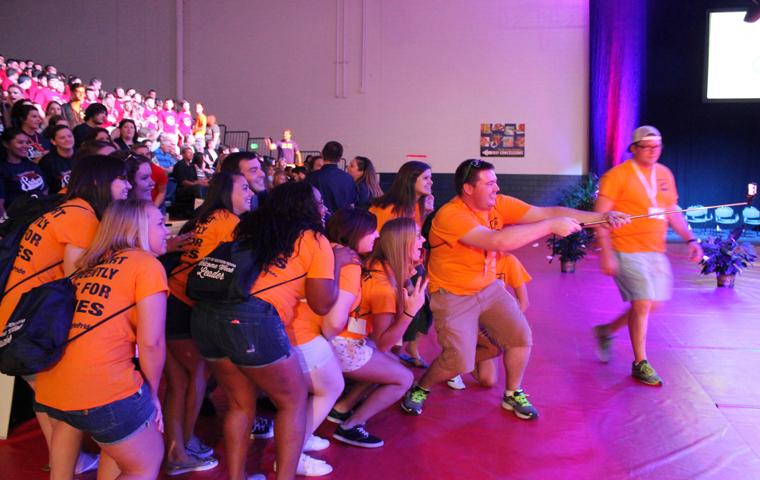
<point x="596" y="422"/>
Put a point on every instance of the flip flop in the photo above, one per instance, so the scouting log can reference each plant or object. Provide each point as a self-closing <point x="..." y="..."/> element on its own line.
<point x="415" y="362"/>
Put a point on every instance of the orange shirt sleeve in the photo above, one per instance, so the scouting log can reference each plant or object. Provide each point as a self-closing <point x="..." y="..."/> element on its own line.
<point x="77" y="226"/>
<point x="322" y="260"/>
<point x="511" y="209"/>
<point x="380" y="294"/>
<point x="150" y="279"/>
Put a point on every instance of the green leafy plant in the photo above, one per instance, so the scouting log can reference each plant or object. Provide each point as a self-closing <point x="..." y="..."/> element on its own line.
<point x="727" y="256"/>
<point x="582" y="197"/>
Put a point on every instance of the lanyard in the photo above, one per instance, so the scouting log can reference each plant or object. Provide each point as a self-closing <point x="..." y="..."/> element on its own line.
<point x="651" y="186"/>
<point x="489" y="262"/>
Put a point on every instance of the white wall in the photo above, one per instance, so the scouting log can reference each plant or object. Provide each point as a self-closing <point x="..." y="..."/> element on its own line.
<point x="434" y="70"/>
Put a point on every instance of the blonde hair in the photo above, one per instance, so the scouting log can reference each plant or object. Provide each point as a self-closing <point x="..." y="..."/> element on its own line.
<point x="394" y="249"/>
<point x="125" y="224"/>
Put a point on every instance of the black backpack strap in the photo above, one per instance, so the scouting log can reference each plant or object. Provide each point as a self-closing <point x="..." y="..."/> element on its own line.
<point x="99" y="323"/>
<point x="32" y="276"/>
<point x="277" y="285"/>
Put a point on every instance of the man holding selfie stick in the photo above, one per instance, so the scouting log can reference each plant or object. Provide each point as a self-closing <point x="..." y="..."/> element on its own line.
<point x="466" y="237"/>
<point x="635" y="253"/>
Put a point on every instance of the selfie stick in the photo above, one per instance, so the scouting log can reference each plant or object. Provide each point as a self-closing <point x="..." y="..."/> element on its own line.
<point x="751" y="194"/>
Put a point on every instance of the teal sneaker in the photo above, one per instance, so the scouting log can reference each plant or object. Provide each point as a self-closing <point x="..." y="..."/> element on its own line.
<point x="644" y="373"/>
<point x="413" y="400"/>
<point x="519" y="404"/>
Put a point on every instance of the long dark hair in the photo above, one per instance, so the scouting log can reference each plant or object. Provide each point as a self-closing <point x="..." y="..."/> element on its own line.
<point x="122" y="123"/>
<point x="91" y="180"/>
<point x="218" y="197"/>
<point x="402" y="194"/>
<point x="349" y="225"/>
<point x="272" y="230"/>
<point x="368" y="176"/>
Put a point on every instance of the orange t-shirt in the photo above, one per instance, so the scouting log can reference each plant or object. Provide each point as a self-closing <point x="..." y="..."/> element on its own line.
<point x="378" y="296"/>
<point x="72" y="223"/>
<point x="386" y="214"/>
<point x="307" y="325"/>
<point x="458" y="268"/>
<point x="512" y="271"/>
<point x="97" y="368"/>
<point x="206" y="237"/>
<point x="623" y="187"/>
<point x="312" y="258"/>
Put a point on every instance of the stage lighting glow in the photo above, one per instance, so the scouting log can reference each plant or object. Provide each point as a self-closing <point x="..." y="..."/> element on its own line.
<point x="733" y="57"/>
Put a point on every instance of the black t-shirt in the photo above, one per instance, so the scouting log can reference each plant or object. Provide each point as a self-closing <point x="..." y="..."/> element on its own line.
<point x="56" y="169"/>
<point x="19" y="178"/>
<point x="182" y="172"/>
<point x="81" y="132"/>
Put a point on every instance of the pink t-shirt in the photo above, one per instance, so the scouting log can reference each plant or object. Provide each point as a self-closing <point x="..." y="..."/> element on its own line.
<point x="185" y="121"/>
<point x="168" y="120"/>
<point x="150" y="116"/>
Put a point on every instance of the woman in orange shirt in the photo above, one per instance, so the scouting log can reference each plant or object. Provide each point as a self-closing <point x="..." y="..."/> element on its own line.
<point x="388" y="303"/>
<point x="309" y="332"/>
<point x="53" y="243"/>
<point x="95" y="387"/>
<point x="246" y="343"/>
<point x="410" y="196"/>
<point x="215" y="221"/>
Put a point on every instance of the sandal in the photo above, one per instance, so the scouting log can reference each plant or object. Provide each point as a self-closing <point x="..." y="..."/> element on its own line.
<point x="416" y="362"/>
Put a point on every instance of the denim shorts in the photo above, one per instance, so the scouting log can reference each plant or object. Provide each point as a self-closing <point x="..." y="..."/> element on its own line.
<point x="112" y="423"/>
<point x="177" y="319"/>
<point x="250" y="334"/>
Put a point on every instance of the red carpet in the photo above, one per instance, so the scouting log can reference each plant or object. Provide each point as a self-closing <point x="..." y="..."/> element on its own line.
<point x="596" y="422"/>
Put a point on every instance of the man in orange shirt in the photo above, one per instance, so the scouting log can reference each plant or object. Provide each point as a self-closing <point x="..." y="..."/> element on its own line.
<point x="635" y="254"/>
<point x="466" y="235"/>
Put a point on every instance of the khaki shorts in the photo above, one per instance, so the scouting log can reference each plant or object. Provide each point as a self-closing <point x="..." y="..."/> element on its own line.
<point x="644" y="276"/>
<point x="459" y="318"/>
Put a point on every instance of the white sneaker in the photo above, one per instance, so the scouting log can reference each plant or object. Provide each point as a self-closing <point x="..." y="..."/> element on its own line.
<point x="256" y="476"/>
<point x="310" y="467"/>
<point x="316" y="444"/>
<point x="456" y="383"/>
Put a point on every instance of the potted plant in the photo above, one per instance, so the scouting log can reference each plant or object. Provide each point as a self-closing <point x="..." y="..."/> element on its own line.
<point x="572" y="248"/>
<point x="726" y="257"/>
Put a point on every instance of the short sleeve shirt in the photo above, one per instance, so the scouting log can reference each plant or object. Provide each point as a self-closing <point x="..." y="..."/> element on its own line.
<point x="306" y="324"/>
<point x="312" y="258"/>
<point x="97" y="368"/>
<point x="219" y="228"/>
<point x="462" y="269"/>
<point x="72" y="223"/>
<point x="623" y="187"/>
<point x="378" y="295"/>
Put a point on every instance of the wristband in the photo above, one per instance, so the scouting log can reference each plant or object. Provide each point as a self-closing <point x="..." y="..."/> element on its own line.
<point x="408" y="315"/>
<point x="692" y="240"/>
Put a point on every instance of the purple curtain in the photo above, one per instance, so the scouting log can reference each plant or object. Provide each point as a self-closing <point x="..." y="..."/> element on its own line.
<point x="618" y="54"/>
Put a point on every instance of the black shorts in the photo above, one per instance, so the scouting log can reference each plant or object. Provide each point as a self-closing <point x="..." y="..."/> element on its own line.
<point x="177" y="319"/>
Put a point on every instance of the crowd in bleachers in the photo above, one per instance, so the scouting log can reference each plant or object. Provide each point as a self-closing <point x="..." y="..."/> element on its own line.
<point x="340" y="298"/>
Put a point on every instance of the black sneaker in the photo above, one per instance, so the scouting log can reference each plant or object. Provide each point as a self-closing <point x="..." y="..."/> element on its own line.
<point x="339" y="417"/>
<point x="357" y="436"/>
<point x="263" y="427"/>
